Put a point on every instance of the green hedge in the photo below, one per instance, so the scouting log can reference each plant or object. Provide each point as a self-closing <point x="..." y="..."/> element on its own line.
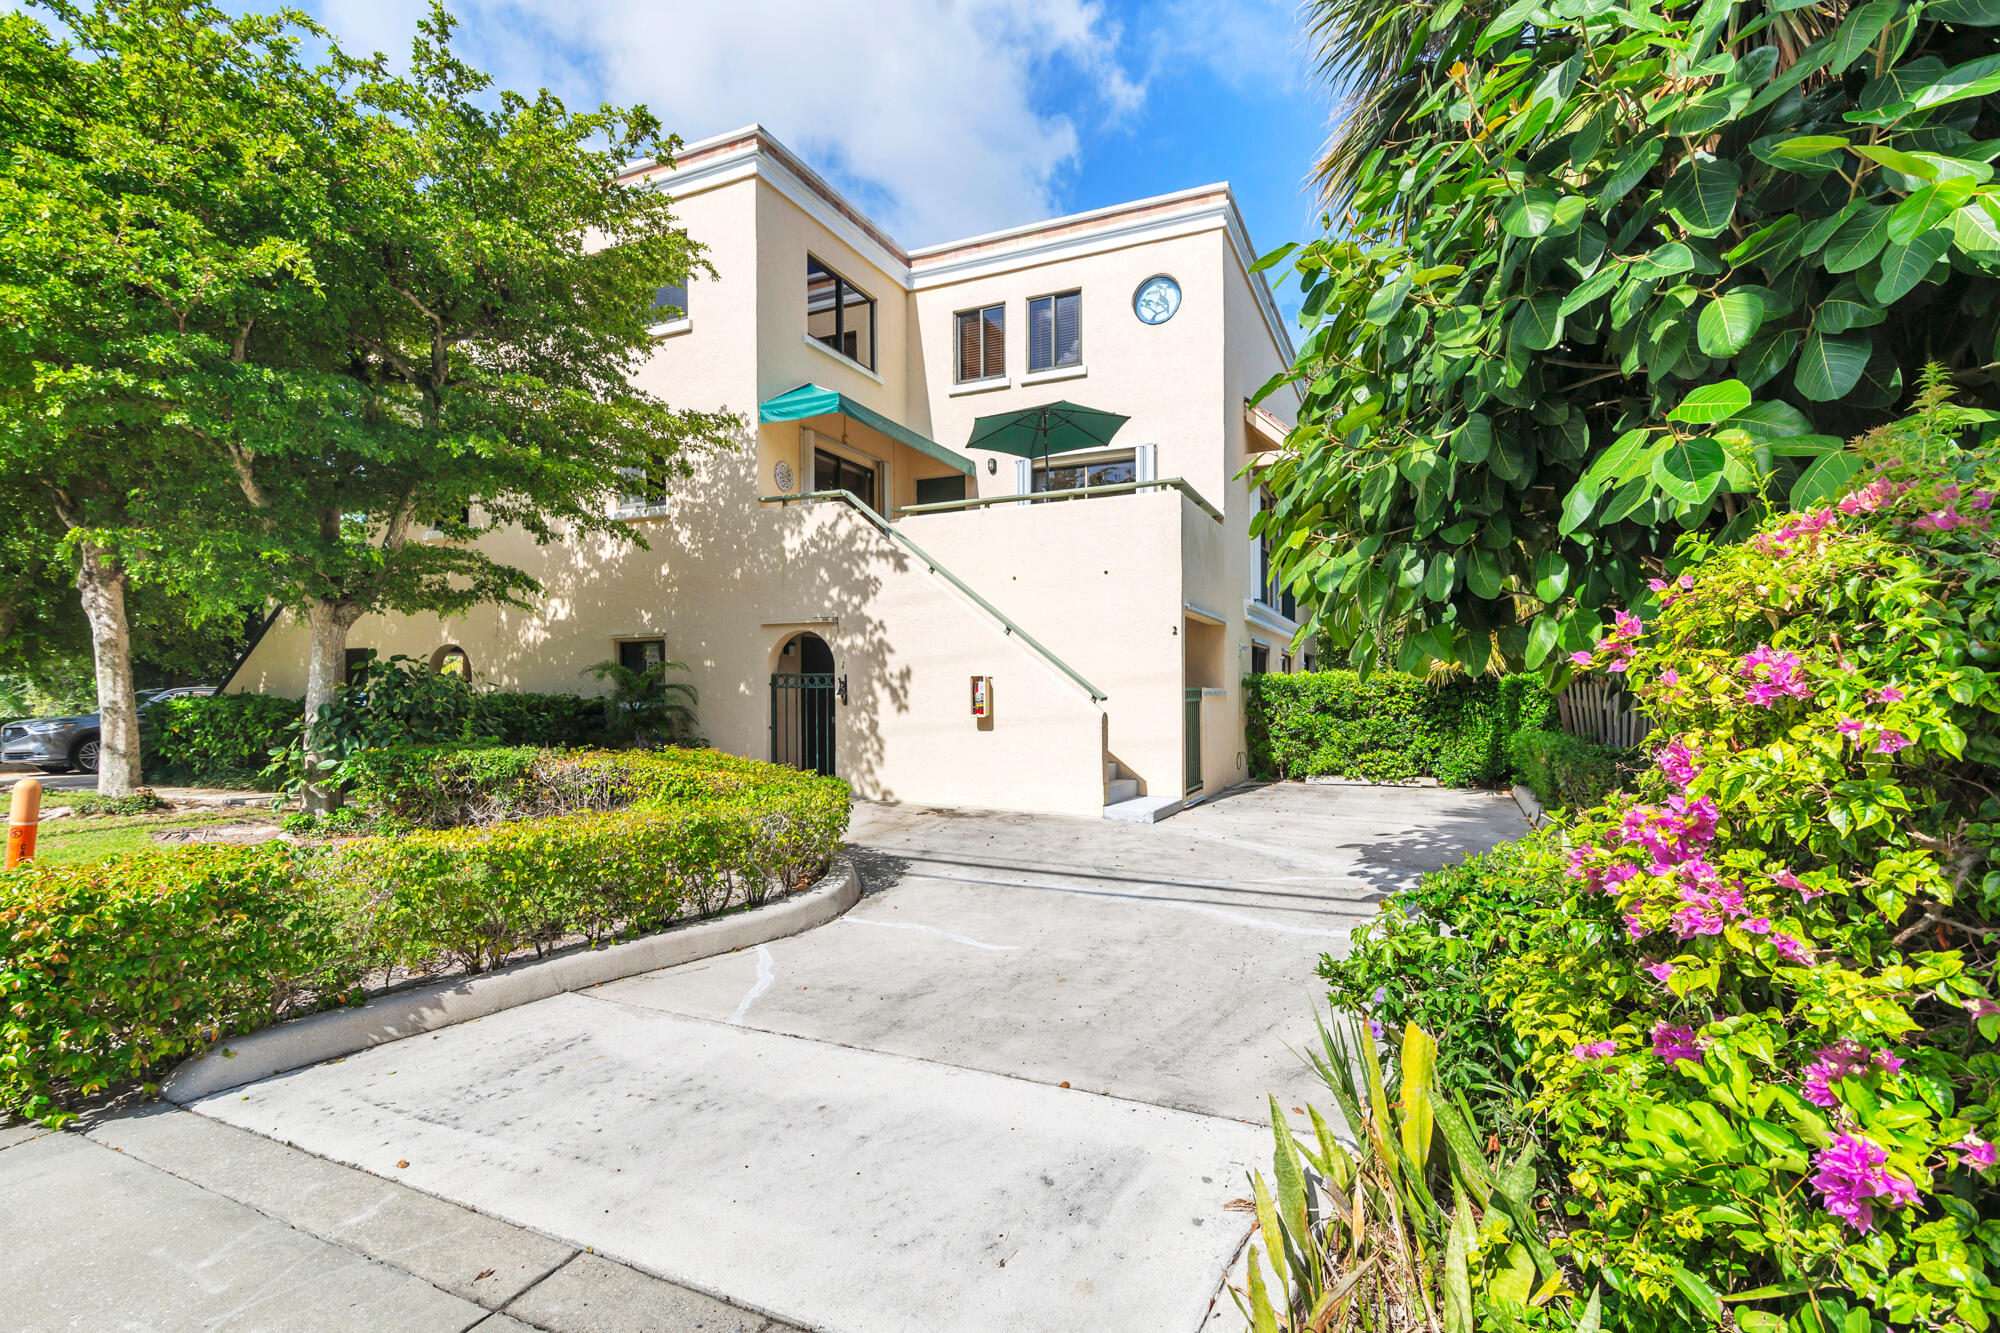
<point x="1564" y="771"/>
<point x="1390" y="727"/>
<point x="113" y="971"/>
<point x="228" y="739"/>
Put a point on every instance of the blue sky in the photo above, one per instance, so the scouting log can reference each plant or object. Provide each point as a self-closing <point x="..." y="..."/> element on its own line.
<point x="941" y="118"/>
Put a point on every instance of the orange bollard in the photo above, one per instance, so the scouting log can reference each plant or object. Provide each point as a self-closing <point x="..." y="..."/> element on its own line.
<point x="22" y="818"/>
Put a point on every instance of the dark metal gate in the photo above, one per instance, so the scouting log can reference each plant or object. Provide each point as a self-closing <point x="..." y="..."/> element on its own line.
<point x="802" y="720"/>
<point x="1192" y="726"/>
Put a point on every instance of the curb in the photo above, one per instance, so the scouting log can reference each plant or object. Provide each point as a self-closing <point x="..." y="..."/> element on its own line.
<point x="1532" y="808"/>
<point x="340" y="1032"/>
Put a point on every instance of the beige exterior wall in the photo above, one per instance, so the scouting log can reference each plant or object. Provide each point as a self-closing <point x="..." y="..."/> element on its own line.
<point x="1142" y="594"/>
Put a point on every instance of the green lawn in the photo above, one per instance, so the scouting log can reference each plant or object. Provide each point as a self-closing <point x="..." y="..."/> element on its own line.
<point x="77" y="841"/>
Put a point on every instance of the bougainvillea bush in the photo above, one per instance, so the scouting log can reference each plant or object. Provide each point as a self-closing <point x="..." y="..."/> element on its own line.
<point x="1760" y="994"/>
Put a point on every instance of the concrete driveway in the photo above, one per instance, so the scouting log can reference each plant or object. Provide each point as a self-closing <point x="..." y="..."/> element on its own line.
<point x="1014" y="1089"/>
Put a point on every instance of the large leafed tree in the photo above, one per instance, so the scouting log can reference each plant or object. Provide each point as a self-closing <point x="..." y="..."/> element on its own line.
<point x="310" y="330"/>
<point x="1602" y="272"/>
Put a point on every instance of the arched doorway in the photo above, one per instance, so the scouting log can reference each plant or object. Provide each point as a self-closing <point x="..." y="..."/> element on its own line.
<point x="802" y="704"/>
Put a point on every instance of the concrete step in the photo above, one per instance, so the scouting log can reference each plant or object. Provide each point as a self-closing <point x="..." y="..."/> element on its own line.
<point x="1122" y="789"/>
<point x="1144" y="809"/>
<point x="1111" y="771"/>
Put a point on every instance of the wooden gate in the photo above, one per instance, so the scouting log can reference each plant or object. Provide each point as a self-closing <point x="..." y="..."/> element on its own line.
<point x="1601" y="709"/>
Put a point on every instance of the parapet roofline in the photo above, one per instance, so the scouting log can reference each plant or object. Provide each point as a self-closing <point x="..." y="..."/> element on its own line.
<point x="756" y="138"/>
<point x="710" y="156"/>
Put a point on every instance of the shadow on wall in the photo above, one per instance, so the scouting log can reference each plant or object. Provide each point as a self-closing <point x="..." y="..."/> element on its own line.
<point x="727" y="582"/>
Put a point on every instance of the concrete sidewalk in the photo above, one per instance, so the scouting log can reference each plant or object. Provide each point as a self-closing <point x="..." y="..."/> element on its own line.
<point x="164" y="1220"/>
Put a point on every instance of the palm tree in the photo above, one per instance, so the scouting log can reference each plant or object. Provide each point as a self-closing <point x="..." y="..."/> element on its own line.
<point x="644" y="707"/>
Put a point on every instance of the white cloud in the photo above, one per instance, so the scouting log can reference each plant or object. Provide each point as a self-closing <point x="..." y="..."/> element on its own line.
<point x="932" y="113"/>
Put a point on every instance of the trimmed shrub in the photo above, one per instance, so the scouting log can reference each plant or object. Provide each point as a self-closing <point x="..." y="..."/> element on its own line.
<point x="109" y="972"/>
<point x="1565" y="772"/>
<point x="217" y="740"/>
<point x="226" y="740"/>
<point x="112" y="971"/>
<point x="1390" y="727"/>
<point x="1429" y="957"/>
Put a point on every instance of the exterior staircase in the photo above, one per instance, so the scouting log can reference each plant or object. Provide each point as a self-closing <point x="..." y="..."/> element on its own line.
<point x="1124" y="801"/>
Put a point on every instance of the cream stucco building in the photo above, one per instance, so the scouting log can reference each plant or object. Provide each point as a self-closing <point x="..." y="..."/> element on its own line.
<point x="1110" y="633"/>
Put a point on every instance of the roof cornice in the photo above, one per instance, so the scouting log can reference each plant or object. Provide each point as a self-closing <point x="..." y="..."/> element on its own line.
<point x="753" y="151"/>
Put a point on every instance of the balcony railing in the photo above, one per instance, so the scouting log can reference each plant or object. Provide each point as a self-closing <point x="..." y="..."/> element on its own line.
<point x="1081" y="493"/>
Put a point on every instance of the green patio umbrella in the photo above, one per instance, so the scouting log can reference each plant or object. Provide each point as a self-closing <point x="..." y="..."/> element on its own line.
<point x="1053" y="428"/>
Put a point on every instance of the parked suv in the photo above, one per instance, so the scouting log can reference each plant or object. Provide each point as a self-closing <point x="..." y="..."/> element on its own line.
<point x="60" y="743"/>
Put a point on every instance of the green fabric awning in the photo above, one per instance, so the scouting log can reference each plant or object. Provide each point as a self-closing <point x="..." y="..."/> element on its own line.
<point x="810" y="400"/>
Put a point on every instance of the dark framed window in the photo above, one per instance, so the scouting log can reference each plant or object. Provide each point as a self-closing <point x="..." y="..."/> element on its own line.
<point x="836" y="472"/>
<point x="1285" y="663"/>
<point x="940" y="490"/>
<point x="639" y="656"/>
<point x="982" y="344"/>
<point x="1055" y="475"/>
<point x="1260" y="659"/>
<point x="1055" y="331"/>
<point x="648" y="485"/>
<point x="839" y="314"/>
<point x="670" y="303"/>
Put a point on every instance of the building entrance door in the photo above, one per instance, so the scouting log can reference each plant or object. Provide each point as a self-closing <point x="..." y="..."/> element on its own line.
<point x="802" y="705"/>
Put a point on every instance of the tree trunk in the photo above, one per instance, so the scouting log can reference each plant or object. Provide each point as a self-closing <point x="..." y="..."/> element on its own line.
<point x="102" y="582"/>
<point x="326" y="669"/>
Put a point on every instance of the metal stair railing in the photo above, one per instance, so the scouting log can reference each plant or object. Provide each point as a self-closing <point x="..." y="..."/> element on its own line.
<point x="888" y="530"/>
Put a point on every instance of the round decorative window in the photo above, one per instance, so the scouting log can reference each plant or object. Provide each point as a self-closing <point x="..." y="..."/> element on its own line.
<point x="782" y="474"/>
<point x="1157" y="299"/>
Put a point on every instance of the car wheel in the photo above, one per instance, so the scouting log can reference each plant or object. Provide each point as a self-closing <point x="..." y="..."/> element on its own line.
<point x="84" y="757"/>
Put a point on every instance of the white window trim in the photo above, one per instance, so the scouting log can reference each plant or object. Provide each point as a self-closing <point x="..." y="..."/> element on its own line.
<point x="669" y="328"/>
<point x="1029" y="374"/>
<point x="1075" y="372"/>
<point x="841" y="357"/>
<point x="624" y="508"/>
<point x="980" y="386"/>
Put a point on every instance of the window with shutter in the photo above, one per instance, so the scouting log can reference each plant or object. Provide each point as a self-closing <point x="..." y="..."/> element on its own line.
<point x="982" y="344"/>
<point x="1055" y="331"/>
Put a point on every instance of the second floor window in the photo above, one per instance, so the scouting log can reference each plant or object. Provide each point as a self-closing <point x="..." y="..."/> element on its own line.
<point x="1055" y="331"/>
<point x="670" y="303"/>
<point x="839" y="314"/>
<point x="982" y="344"/>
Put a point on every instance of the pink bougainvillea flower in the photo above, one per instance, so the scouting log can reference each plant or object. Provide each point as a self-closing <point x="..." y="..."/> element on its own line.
<point x="1635" y="925"/>
<point x="1981" y="1008"/>
<point x="1843" y="1059"/>
<point x="1889" y="694"/>
<point x="1676" y="1041"/>
<point x="1977" y="1153"/>
<point x="1658" y="585"/>
<point x="1891" y="741"/>
<point x="1593" y="1050"/>
<point x="1943" y="520"/>
<point x="1774" y="675"/>
<point x="1980" y="499"/>
<point x="1852" y="1179"/>
<point x="1758" y="925"/>
<point x="1627" y="623"/>
<point x="1791" y="948"/>
<point x="1686" y="581"/>
<point x="1851" y="727"/>
<point x="1661" y="970"/>
<point x="1670" y="677"/>
<point x="1676" y="760"/>
<point x="1581" y="658"/>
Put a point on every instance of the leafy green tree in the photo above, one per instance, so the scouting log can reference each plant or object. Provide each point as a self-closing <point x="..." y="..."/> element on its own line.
<point x="121" y="156"/>
<point x="464" y="361"/>
<point x="1611" y="271"/>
